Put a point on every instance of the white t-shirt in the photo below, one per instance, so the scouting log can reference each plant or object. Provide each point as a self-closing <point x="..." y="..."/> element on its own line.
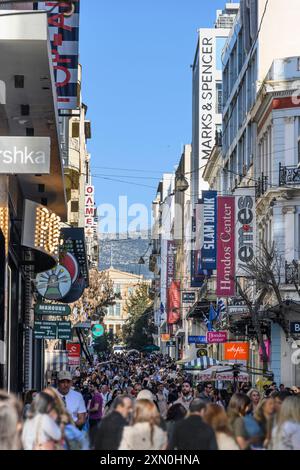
<point x="287" y="438"/>
<point x="74" y="404"/>
<point x="39" y="430"/>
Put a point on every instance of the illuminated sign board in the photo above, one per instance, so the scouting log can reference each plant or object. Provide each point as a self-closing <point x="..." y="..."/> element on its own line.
<point x="24" y="155"/>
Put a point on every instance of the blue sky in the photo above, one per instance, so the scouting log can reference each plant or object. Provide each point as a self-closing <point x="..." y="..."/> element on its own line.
<point x="136" y="57"/>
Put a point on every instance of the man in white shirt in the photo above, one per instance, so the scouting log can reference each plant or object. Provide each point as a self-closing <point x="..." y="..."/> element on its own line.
<point x="73" y="401"/>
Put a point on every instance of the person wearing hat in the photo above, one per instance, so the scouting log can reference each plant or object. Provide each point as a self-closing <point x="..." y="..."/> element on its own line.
<point x="73" y="401"/>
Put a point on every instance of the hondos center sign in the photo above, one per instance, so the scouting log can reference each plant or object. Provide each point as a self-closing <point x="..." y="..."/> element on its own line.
<point x="25" y="155"/>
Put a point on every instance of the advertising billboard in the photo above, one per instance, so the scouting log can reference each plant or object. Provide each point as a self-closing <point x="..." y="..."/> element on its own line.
<point x="245" y="228"/>
<point x="225" y="247"/>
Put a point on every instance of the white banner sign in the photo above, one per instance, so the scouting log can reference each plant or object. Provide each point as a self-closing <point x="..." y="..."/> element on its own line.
<point x="245" y="229"/>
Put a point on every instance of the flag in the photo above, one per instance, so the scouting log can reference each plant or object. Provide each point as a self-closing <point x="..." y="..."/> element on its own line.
<point x="221" y="308"/>
<point x="162" y="308"/>
<point x="212" y="313"/>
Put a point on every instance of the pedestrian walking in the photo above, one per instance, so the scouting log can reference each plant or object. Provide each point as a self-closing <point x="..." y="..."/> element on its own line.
<point x="73" y="400"/>
<point x="10" y="422"/>
<point x="145" y="432"/>
<point x="215" y="416"/>
<point x="192" y="433"/>
<point x="109" y="432"/>
<point x="40" y="430"/>
<point x="237" y="409"/>
<point x="186" y="395"/>
<point x="286" y="433"/>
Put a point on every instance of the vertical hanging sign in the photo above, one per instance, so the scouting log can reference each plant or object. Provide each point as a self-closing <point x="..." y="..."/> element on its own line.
<point x="226" y="246"/>
<point x="209" y="230"/>
<point x="245" y="228"/>
<point x="63" y="22"/>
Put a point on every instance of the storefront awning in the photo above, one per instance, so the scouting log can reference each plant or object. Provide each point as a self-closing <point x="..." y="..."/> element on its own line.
<point x="198" y="310"/>
<point x="201" y="363"/>
<point x="56" y="360"/>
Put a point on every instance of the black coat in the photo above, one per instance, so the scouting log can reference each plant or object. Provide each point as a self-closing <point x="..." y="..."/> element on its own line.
<point x="109" y="431"/>
<point x="192" y="434"/>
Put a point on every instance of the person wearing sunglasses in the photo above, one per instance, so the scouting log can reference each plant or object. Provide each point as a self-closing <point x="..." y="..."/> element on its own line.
<point x="208" y="392"/>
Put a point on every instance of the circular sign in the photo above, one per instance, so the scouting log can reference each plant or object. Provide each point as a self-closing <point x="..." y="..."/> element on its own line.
<point x="70" y="263"/>
<point x="75" y="292"/>
<point x="54" y="284"/>
<point x="97" y="331"/>
<point x="201" y="352"/>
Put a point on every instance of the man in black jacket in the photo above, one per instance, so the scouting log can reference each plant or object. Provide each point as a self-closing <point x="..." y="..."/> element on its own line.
<point x="192" y="433"/>
<point x="109" y="432"/>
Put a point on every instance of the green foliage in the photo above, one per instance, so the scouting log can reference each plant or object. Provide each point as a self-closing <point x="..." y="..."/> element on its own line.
<point x="101" y="344"/>
<point x="138" y="328"/>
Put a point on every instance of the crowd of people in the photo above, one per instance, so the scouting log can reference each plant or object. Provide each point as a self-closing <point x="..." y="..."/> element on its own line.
<point x="145" y="402"/>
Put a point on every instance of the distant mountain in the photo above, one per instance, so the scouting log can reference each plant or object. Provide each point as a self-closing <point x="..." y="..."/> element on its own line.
<point x="123" y="252"/>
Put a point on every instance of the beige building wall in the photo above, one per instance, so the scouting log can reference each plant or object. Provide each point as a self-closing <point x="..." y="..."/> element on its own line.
<point x="124" y="284"/>
<point x="279" y="32"/>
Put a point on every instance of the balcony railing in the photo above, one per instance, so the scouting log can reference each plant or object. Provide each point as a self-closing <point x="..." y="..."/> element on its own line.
<point x="289" y="175"/>
<point x="261" y="186"/>
<point x="292" y="272"/>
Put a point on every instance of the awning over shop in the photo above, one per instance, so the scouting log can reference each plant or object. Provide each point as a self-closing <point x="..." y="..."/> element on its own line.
<point x="199" y="310"/>
<point x="201" y="363"/>
<point x="56" y="360"/>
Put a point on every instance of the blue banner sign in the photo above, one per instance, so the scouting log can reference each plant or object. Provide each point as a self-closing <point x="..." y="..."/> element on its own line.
<point x="197" y="340"/>
<point x="209" y="230"/>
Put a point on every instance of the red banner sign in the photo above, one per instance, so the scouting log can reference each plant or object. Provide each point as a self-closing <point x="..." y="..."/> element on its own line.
<point x="73" y="349"/>
<point x="173" y="287"/>
<point x="225" y="247"/>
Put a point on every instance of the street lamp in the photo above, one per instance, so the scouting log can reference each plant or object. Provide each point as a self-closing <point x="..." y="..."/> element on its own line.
<point x="181" y="183"/>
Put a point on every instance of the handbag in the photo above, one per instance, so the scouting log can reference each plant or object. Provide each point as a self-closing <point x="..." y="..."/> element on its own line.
<point x="48" y="445"/>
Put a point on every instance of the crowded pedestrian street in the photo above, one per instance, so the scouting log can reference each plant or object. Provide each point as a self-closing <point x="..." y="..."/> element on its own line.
<point x="134" y="401"/>
<point x="149" y="232"/>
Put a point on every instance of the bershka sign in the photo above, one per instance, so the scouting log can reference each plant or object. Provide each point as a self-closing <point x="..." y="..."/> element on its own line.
<point x="209" y="228"/>
<point x="25" y="155"/>
<point x="207" y="60"/>
<point x="225" y="247"/>
<point x="244" y="230"/>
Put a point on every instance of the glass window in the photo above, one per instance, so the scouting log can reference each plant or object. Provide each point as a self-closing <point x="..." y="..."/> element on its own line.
<point x="117" y="288"/>
<point x="118" y="310"/>
<point x="219" y="97"/>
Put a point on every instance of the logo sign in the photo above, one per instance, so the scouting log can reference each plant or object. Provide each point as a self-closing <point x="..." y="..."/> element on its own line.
<point x="52" y="309"/>
<point x="209" y="229"/>
<point x="244" y="230"/>
<point x="73" y="349"/>
<point x="64" y="330"/>
<point x="70" y="263"/>
<point x="201" y="346"/>
<point x="171" y="344"/>
<point x="97" y="331"/>
<point x="45" y="330"/>
<point x="197" y="339"/>
<point x="25" y="155"/>
<point x="63" y="24"/>
<point x="236" y="351"/>
<point x="188" y="297"/>
<point x="216" y="336"/>
<point x="54" y="284"/>
<point x="225" y="247"/>
<point x="165" y="337"/>
<point x="295" y="327"/>
<point x="201" y="352"/>
<point x="89" y="210"/>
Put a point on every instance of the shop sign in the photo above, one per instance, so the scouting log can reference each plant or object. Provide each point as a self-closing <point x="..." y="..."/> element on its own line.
<point x="52" y="309"/>
<point x="209" y="230"/>
<point x="64" y="330"/>
<point x="63" y="25"/>
<point x="202" y="352"/>
<point x="171" y="344"/>
<point x="197" y="339"/>
<point x="236" y="351"/>
<point x="244" y="230"/>
<point x="216" y="336"/>
<point x="73" y="349"/>
<point x="97" y="331"/>
<point x="25" y="155"/>
<point x="41" y="229"/>
<point x="295" y="327"/>
<point x="225" y="247"/>
<point x="45" y="330"/>
<point x="188" y="297"/>
<point x="54" y="284"/>
<point x="165" y="337"/>
<point x="89" y="209"/>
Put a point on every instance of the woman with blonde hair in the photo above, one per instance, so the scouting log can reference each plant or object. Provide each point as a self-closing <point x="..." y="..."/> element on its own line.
<point x="10" y="422"/>
<point x="286" y="434"/>
<point x="73" y="438"/>
<point x="145" y="433"/>
<point x="264" y="416"/>
<point x="215" y="416"/>
<point x="254" y="396"/>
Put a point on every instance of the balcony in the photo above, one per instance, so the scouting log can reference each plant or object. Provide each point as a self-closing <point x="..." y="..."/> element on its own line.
<point x="261" y="186"/>
<point x="292" y="272"/>
<point x="289" y="175"/>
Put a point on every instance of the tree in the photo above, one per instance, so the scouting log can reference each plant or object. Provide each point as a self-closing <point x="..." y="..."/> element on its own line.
<point x="95" y="298"/>
<point x="138" y="328"/>
<point x="261" y="290"/>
